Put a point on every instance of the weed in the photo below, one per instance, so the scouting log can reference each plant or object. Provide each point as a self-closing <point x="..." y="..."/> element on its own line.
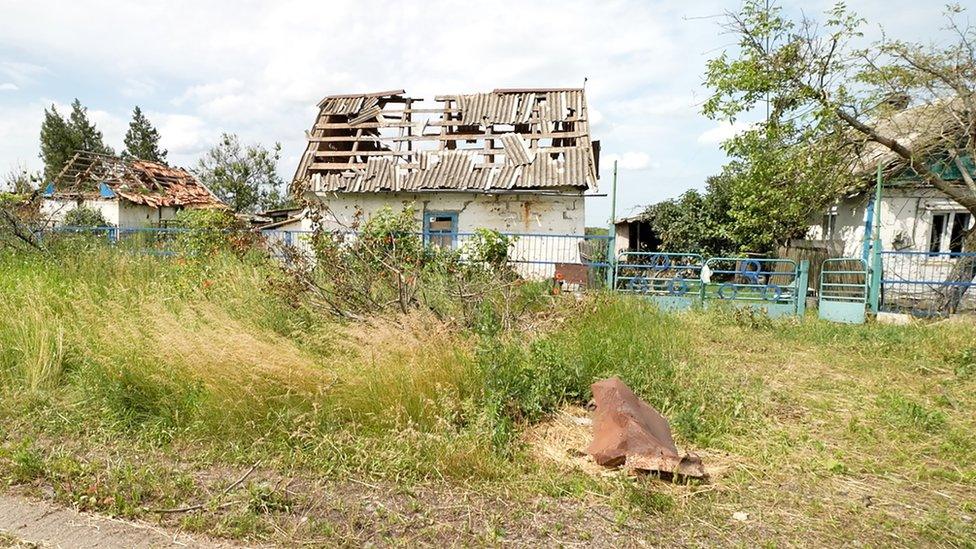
<point x="27" y="463"/>
<point x="900" y="411"/>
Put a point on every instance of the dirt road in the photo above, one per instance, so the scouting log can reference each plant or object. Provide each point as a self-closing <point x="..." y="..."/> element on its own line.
<point x="30" y="521"/>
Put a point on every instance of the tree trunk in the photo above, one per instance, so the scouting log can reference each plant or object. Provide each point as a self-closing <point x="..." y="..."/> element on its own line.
<point x="960" y="278"/>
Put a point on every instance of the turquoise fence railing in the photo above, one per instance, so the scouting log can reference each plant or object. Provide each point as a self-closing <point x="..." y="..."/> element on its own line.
<point x="843" y="290"/>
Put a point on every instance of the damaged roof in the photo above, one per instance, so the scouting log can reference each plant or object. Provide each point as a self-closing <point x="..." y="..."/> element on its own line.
<point x="138" y="181"/>
<point x="517" y="139"/>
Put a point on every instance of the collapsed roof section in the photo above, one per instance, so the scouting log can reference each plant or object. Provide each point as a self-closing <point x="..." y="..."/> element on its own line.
<point x="138" y="181"/>
<point x="511" y="139"/>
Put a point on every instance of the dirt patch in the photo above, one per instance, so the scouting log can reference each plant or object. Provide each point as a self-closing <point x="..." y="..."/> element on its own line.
<point x="562" y="441"/>
<point x="30" y="523"/>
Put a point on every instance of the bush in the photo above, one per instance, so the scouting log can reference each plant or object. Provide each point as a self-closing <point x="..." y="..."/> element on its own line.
<point x="83" y="216"/>
<point x="490" y="247"/>
<point x="209" y="231"/>
<point x="389" y="264"/>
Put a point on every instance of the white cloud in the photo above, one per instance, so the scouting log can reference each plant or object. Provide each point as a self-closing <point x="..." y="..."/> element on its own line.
<point x="9" y="86"/>
<point x="723" y="132"/>
<point x="631" y="161"/>
<point x="259" y="68"/>
<point x="138" y="87"/>
<point x="183" y="135"/>
<point x="21" y="73"/>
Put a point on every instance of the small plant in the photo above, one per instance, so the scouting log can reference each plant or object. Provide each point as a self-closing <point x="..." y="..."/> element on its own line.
<point x="752" y="318"/>
<point x="963" y="363"/>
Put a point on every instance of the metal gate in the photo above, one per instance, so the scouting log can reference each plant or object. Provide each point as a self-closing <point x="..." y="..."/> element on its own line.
<point x="775" y="286"/>
<point x="843" y="290"/>
<point x="678" y="281"/>
<point x="671" y="280"/>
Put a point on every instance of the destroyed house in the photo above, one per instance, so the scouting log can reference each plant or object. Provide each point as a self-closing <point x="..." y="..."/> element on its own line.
<point x="512" y="160"/>
<point x="128" y="193"/>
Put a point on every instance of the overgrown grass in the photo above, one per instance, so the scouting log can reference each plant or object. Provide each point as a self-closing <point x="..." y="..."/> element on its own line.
<point x="206" y="354"/>
<point x="124" y="376"/>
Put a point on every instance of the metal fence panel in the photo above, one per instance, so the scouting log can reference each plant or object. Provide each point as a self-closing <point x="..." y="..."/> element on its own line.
<point x="671" y="280"/>
<point x="843" y="290"/>
<point x="918" y="283"/>
<point x="769" y="285"/>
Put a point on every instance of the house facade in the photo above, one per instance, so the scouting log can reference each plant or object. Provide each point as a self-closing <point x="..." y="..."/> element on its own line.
<point x="128" y="194"/>
<point x="914" y="218"/>
<point x="516" y="161"/>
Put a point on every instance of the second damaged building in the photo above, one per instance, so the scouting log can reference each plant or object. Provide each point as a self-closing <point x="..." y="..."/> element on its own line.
<point x="512" y="160"/>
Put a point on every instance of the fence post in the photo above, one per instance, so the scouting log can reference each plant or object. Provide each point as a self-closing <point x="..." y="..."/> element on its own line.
<point x="612" y="241"/>
<point x="802" y="285"/>
<point x="874" y="291"/>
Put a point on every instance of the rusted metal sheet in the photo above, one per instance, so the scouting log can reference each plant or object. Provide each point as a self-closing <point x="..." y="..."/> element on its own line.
<point x="629" y="432"/>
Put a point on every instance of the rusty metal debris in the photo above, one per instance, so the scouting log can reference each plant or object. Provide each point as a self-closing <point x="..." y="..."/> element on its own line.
<point x="138" y="181"/>
<point x="499" y="140"/>
<point x="629" y="432"/>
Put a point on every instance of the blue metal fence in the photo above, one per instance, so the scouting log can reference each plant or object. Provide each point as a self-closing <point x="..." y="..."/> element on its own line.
<point x="918" y="283"/>
<point x="843" y="290"/>
<point x="683" y="280"/>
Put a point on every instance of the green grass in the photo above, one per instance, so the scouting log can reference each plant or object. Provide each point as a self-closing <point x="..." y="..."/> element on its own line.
<point x="130" y="383"/>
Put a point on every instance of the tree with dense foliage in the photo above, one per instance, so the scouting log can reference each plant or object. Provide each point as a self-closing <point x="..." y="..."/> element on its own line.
<point x="244" y="177"/>
<point x="695" y="221"/>
<point x="19" y="209"/>
<point x="61" y="137"/>
<point x="142" y="139"/>
<point x="817" y="81"/>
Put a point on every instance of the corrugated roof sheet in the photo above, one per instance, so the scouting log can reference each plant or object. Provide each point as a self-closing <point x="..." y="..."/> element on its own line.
<point x="358" y="144"/>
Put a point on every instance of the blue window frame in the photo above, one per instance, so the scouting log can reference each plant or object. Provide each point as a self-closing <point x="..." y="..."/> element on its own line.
<point x="440" y="228"/>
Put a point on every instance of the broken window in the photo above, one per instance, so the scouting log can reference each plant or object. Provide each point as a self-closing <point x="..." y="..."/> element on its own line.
<point x="960" y="222"/>
<point x="440" y="229"/>
<point x="938" y="232"/>
<point x="948" y="232"/>
<point x="829" y="225"/>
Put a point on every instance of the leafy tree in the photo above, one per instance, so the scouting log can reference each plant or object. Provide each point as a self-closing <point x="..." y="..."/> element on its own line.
<point x="813" y="75"/>
<point x="61" y="137"/>
<point x="142" y="139"/>
<point x="695" y="222"/>
<point x="245" y="177"/>
<point x="779" y="178"/>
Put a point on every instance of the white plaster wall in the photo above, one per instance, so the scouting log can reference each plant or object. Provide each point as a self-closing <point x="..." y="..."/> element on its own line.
<point x="905" y="213"/>
<point x="621" y="238"/>
<point x="906" y="217"/>
<point x="118" y="213"/>
<point x="525" y="214"/>
<point x="507" y="213"/>
<point x="138" y="215"/>
<point x="54" y="210"/>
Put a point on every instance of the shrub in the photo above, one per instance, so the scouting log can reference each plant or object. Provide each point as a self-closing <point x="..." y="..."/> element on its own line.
<point x="388" y="264"/>
<point x="210" y="230"/>
<point x="83" y="216"/>
<point x="490" y="247"/>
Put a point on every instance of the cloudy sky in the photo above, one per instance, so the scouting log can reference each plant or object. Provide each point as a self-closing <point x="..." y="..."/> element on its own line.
<point x="259" y="68"/>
